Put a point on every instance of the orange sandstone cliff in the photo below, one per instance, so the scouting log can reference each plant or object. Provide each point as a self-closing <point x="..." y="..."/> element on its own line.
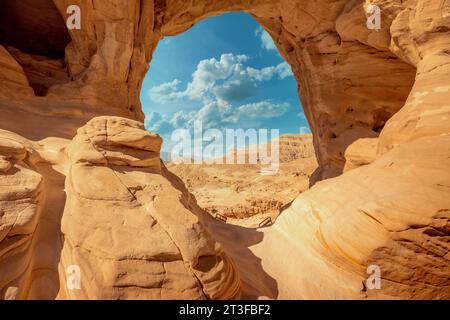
<point x="81" y="182"/>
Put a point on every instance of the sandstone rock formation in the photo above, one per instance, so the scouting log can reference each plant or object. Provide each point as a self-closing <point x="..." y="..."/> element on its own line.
<point x="118" y="226"/>
<point x="377" y="103"/>
<point x="241" y="192"/>
<point x="21" y="199"/>
<point x="117" y="191"/>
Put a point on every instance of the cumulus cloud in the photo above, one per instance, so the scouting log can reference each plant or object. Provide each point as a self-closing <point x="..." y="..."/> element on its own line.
<point x="284" y="70"/>
<point x="236" y="90"/>
<point x="220" y="86"/>
<point x="215" y="115"/>
<point x="263" y="109"/>
<point x="212" y="71"/>
<point x="266" y="41"/>
<point x="227" y="79"/>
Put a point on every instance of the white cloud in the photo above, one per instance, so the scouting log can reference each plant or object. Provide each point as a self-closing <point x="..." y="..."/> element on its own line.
<point x="221" y="86"/>
<point x="227" y="79"/>
<point x="266" y="40"/>
<point x="164" y="92"/>
<point x="284" y="70"/>
<point x="214" y="115"/>
<point x="236" y="90"/>
<point x="210" y="71"/>
<point x="263" y="74"/>
<point x="263" y="109"/>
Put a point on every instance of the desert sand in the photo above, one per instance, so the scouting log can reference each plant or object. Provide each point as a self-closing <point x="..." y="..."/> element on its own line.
<point x="82" y="183"/>
<point x="242" y="193"/>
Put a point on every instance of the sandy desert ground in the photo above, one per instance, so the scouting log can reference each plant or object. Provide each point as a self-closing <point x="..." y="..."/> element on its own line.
<point x="242" y="192"/>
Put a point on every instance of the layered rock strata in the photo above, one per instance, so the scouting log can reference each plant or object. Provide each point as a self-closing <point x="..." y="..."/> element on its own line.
<point x="389" y="87"/>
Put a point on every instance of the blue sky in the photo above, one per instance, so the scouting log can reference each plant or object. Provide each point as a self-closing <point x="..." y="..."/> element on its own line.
<point x="224" y="71"/>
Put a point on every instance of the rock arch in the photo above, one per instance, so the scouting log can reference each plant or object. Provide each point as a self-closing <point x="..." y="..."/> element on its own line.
<point x="375" y="101"/>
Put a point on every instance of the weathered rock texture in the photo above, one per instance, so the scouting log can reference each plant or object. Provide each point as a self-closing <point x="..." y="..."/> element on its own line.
<point x="377" y="102"/>
<point x="120" y="222"/>
<point x="240" y="192"/>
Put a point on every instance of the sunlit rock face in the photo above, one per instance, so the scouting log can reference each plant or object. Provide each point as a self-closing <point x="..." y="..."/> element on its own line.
<point x="377" y="103"/>
<point x="125" y="218"/>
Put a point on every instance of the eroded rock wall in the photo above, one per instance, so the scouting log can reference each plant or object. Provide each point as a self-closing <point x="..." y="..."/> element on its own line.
<point x="377" y="103"/>
<point x="350" y="82"/>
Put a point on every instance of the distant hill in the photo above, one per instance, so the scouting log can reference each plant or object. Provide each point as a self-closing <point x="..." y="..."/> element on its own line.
<point x="291" y="147"/>
<point x="241" y="192"/>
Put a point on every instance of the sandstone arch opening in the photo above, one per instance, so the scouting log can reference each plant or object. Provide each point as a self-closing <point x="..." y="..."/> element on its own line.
<point x="224" y="82"/>
<point x="35" y="34"/>
<point x="350" y="83"/>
